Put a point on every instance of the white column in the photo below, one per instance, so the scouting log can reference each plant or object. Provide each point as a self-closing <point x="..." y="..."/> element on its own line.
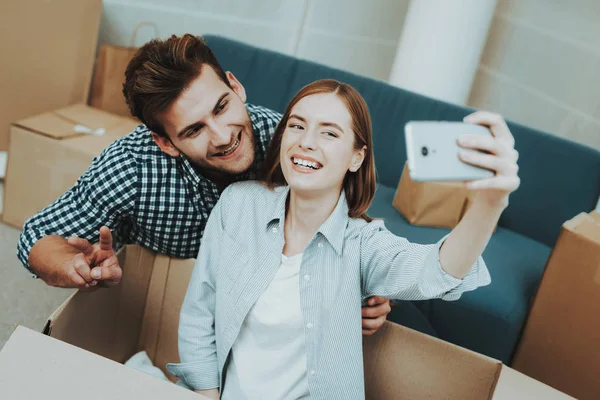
<point x="3" y="161"/>
<point x="440" y="46"/>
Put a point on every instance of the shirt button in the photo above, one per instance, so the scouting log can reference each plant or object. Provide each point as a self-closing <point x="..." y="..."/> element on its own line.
<point x="274" y="230"/>
<point x="313" y="372"/>
<point x="309" y="325"/>
<point x="307" y="277"/>
<point x="320" y="244"/>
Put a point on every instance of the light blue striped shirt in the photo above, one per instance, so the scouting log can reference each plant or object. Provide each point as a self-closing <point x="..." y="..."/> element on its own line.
<point x="346" y="261"/>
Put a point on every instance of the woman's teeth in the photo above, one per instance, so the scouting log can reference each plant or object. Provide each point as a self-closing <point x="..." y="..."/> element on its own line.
<point x="304" y="163"/>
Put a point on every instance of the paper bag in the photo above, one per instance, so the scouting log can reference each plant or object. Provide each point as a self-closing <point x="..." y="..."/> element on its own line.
<point x="437" y="204"/>
<point x="561" y="342"/>
<point x="112" y="61"/>
<point x="107" y="87"/>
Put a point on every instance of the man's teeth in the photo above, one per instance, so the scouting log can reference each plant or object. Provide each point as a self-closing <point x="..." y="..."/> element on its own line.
<point x="231" y="149"/>
<point x="305" y="163"/>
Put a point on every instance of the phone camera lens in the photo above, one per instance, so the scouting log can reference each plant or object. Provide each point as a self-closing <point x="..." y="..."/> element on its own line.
<point x="424" y="151"/>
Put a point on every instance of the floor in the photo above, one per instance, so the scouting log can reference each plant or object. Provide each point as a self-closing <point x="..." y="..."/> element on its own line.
<point x="23" y="300"/>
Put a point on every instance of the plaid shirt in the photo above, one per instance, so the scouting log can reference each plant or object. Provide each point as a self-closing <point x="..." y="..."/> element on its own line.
<point x="143" y="195"/>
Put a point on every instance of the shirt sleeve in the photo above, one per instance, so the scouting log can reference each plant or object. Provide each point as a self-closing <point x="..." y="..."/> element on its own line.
<point x="199" y="366"/>
<point x="104" y="195"/>
<point x="395" y="268"/>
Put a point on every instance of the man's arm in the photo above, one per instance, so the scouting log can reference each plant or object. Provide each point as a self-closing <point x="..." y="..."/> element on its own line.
<point x="55" y="244"/>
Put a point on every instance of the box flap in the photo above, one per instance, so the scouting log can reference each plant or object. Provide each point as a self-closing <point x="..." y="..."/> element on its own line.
<point x="107" y="321"/>
<point x="513" y="385"/>
<point x="35" y="366"/>
<point x="61" y="123"/>
<point x="587" y="225"/>
<point x="404" y="364"/>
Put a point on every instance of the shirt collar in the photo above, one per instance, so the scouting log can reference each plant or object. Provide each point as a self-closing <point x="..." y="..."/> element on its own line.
<point x="333" y="229"/>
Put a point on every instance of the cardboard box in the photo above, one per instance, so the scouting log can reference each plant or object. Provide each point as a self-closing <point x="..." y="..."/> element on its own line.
<point x="437" y="204"/>
<point x="561" y="342"/>
<point x="142" y="313"/>
<point x="47" y="156"/>
<point x="48" y="50"/>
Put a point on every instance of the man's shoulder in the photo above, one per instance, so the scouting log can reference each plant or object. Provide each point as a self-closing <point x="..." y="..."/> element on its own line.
<point x="259" y="112"/>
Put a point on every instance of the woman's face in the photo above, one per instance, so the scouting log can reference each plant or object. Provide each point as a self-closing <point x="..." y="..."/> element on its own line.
<point x="317" y="147"/>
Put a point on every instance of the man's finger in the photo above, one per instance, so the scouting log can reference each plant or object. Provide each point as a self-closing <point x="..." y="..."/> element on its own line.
<point x="111" y="275"/>
<point x="375" y="300"/>
<point x="82" y="245"/>
<point x="82" y="267"/>
<point x="373" y="323"/>
<point x="105" y="239"/>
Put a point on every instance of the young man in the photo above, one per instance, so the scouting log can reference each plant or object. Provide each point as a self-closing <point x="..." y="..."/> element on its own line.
<point x="157" y="186"/>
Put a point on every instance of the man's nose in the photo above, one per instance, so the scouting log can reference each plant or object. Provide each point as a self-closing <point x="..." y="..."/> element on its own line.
<point x="220" y="135"/>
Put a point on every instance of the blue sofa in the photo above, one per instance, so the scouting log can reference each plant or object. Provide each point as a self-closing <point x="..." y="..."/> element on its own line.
<point x="559" y="179"/>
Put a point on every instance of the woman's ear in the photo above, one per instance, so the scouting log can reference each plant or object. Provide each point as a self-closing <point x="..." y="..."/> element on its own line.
<point x="357" y="159"/>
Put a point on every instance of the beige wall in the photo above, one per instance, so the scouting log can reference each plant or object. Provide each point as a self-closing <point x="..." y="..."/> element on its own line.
<point x="356" y="35"/>
<point x="541" y="66"/>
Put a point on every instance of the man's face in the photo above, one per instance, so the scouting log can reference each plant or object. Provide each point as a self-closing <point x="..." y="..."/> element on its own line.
<point x="210" y="125"/>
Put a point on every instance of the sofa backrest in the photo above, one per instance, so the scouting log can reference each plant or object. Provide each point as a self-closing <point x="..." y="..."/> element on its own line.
<point x="560" y="178"/>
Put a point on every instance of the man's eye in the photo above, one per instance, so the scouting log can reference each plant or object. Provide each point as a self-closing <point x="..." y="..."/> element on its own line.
<point x="193" y="132"/>
<point x="221" y="107"/>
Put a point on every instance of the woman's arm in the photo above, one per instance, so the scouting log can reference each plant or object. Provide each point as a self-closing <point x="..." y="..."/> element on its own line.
<point x="470" y="237"/>
<point x="197" y="339"/>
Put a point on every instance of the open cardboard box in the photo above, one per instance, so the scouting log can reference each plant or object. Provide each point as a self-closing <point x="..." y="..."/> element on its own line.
<point x="142" y="313"/>
<point x="52" y="148"/>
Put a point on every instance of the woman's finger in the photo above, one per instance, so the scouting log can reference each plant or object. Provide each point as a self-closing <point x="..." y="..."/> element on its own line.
<point x="494" y="122"/>
<point x="490" y="162"/>
<point x="504" y="183"/>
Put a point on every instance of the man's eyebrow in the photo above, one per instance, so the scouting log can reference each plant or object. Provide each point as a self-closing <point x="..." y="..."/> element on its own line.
<point x="219" y="102"/>
<point x="200" y="124"/>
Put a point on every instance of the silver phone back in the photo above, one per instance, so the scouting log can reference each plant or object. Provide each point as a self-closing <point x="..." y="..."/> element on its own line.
<point x="432" y="151"/>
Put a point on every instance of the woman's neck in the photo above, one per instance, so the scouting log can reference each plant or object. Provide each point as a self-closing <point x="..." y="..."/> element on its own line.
<point x="304" y="215"/>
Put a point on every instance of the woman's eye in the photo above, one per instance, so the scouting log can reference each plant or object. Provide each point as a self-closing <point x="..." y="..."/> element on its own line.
<point x="331" y="134"/>
<point x="295" y="126"/>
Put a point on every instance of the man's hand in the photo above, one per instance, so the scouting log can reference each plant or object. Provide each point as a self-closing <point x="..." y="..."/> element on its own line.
<point x="374" y="314"/>
<point x="94" y="264"/>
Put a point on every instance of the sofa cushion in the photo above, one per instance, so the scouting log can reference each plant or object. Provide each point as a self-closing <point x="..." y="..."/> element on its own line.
<point x="488" y="320"/>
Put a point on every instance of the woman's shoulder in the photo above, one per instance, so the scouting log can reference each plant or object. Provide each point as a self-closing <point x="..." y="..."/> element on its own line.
<point x="358" y="227"/>
<point x="248" y="198"/>
<point x="245" y="189"/>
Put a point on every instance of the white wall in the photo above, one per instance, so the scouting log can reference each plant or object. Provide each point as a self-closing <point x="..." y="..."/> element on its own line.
<point x="355" y="35"/>
<point x="541" y="66"/>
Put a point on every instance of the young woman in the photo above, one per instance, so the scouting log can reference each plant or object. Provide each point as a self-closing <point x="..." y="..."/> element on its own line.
<point x="273" y="307"/>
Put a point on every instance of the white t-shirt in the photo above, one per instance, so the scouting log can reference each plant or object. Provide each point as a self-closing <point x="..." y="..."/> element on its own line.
<point x="268" y="359"/>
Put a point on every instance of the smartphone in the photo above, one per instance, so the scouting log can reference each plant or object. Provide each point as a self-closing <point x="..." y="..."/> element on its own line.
<point x="433" y="151"/>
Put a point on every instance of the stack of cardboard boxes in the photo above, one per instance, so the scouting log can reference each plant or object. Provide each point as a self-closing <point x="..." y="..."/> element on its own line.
<point x="51" y="137"/>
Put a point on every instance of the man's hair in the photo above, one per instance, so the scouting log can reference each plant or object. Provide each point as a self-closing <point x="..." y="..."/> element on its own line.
<point x="359" y="186"/>
<point x="160" y="71"/>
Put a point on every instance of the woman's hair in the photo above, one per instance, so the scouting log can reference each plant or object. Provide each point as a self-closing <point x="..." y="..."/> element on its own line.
<point x="359" y="186"/>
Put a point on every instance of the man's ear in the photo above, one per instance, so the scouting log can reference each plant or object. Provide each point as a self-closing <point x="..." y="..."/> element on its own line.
<point x="165" y="145"/>
<point x="357" y="159"/>
<point x="237" y="87"/>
